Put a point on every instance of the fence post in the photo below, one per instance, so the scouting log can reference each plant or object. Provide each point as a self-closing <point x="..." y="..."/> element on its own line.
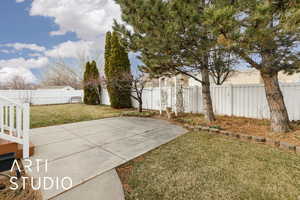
<point x="2" y="118"/>
<point x="11" y="118"/>
<point x="188" y="100"/>
<point x="231" y="99"/>
<point x="176" y="112"/>
<point x="197" y="101"/>
<point x="160" y="99"/>
<point x="19" y="121"/>
<point x="26" y="122"/>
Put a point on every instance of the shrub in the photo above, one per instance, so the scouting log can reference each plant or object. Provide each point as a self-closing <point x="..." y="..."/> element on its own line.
<point x="92" y="87"/>
<point x="116" y="66"/>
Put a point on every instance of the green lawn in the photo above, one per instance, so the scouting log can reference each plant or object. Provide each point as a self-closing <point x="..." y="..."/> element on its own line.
<point x="42" y="116"/>
<point x="199" y="166"/>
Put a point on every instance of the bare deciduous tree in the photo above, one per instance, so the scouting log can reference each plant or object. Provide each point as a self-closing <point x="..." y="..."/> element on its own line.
<point x="60" y="74"/>
<point x="221" y="65"/>
<point x="134" y="84"/>
<point x="64" y="72"/>
<point x="18" y="83"/>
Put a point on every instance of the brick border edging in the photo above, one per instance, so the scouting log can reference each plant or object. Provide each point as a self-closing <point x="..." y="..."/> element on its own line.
<point x="245" y="137"/>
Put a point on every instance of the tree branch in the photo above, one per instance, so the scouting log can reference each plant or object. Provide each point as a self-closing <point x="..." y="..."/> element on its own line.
<point x="192" y="76"/>
<point x="248" y="59"/>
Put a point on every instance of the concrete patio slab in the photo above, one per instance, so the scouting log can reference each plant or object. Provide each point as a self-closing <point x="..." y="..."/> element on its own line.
<point x="45" y="138"/>
<point x="79" y="167"/>
<point x="138" y="146"/>
<point x="84" y="131"/>
<point x="46" y="130"/>
<point x="85" y="150"/>
<point x="54" y="151"/>
<point x="105" y="137"/>
<point x="107" y="186"/>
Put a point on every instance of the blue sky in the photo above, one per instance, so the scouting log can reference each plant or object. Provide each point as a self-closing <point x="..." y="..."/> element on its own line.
<point x="36" y="33"/>
<point x="19" y="27"/>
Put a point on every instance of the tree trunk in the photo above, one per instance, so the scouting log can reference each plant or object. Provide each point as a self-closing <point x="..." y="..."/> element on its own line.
<point x="278" y="111"/>
<point x="140" y="106"/>
<point x="207" y="102"/>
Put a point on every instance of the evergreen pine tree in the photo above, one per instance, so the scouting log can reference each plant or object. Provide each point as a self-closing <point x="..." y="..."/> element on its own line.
<point x="107" y="53"/>
<point x="85" y="82"/>
<point x="171" y="39"/>
<point x="92" y="87"/>
<point x="117" y="66"/>
<point x="95" y="83"/>
<point x="177" y="37"/>
<point x="264" y="34"/>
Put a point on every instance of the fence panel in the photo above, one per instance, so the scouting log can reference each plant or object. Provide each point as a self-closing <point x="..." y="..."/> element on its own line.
<point x="233" y="100"/>
<point x="236" y="100"/>
<point x="291" y="93"/>
<point x="221" y="98"/>
<point x="40" y="97"/>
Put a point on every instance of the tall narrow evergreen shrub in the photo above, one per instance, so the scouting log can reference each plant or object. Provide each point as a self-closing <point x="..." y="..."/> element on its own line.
<point x="117" y="65"/>
<point x="92" y="88"/>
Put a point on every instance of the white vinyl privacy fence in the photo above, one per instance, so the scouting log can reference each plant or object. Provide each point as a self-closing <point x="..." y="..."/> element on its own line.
<point x="41" y="97"/>
<point x="233" y="100"/>
<point x="250" y="100"/>
<point x="236" y="100"/>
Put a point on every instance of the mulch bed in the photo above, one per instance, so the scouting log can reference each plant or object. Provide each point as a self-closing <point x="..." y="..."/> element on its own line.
<point x="252" y="127"/>
<point x="22" y="193"/>
<point x="286" y="141"/>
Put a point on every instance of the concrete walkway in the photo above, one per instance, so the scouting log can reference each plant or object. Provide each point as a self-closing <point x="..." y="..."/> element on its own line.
<point x="88" y="152"/>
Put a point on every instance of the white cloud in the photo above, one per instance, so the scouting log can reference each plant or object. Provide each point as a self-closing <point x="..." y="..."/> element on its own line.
<point x="71" y="49"/>
<point x="89" y="19"/>
<point x="6" y="51"/>
<point x="21" y="46"/>
<point x="7" y="73"/>
<point x="24" y="63"/>
<point x="35" y="55"/>
<point x="20" y="1"/>
<point x="59" y="32"/>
